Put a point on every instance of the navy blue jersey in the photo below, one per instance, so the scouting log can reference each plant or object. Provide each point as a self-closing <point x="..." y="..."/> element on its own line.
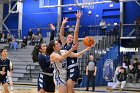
<point x="4" y="66"/>
<point x="72" y="65"/>
<point x="70" y="61"/>
<point x="44" y="62"/>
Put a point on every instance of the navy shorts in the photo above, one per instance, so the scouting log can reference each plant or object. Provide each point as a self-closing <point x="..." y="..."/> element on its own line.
<point x="3" y="80"/>
<point x="73" y="73"/>
<point x="46" y="83"/>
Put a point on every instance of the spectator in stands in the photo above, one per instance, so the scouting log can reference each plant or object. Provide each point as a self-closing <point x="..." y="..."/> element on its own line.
<point x="131" y="74"/>
<point x="30" y="33"/>
<point x="33" y="40"/>
<point x="14" y="45"/>
<point x="3" y="38"/>
<point x="116" y="73"/>
<point x="38" y="31"/>
<point x="135" y="65"/>
<point x="115" y="31"/>
<point x="121" y="77"/>
<point x="126" y="62"/>
<point x="40" y="38"/>
<point x="138" y="73"/>
<point x="9" y="38"/>
<point x="0" y="36"/>
<point x="103" y="26"/>
<point x="91" y="72"/>
<point x="24" y="42"/>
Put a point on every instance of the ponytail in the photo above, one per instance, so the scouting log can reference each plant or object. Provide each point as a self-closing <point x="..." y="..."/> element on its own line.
<point x="35" y="53"/>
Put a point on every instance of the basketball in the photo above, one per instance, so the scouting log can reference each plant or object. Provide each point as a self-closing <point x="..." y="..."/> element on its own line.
<point x="88" y="41"/>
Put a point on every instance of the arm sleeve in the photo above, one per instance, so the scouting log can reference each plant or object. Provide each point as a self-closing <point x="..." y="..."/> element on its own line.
<point x="52" y="36"/>
<point x="118" y="75"/>
<point x="125" y="76"/>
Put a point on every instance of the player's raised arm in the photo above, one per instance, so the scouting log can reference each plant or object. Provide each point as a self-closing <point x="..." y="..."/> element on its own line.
<point x="61" y="34"/>
<point x="56" y="57"/>
<point x="52" y="33"/>
<point x="78" y="15"/>
<point x="76" y="55"/>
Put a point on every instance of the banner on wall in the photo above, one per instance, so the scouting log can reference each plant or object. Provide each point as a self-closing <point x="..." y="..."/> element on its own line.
<point x="108" y="72"/>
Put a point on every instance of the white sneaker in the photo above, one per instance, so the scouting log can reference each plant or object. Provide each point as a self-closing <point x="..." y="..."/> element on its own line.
<point x="0" y="88"/>
<point x="11" y="88"/>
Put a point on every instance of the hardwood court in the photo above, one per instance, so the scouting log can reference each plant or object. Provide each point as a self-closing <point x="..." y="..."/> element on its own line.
<point x="33" y="89"/>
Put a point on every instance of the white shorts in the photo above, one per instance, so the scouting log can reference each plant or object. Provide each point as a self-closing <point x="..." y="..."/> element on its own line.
<point x="59" y="81"/>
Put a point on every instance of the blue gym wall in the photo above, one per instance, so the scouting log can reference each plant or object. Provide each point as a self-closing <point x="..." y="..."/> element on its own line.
<point x="131" y="12"/>
<point x="35" y="17"/>
<point x="103" y="10"/>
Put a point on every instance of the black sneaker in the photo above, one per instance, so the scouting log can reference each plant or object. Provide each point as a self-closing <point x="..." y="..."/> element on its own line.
<point x="86" y="90"/>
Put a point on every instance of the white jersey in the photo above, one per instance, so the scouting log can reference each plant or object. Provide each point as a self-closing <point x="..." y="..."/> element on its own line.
<point x="60" y="71"/>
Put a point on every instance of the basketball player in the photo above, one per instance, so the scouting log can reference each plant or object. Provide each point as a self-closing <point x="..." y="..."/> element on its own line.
<point x="5" y="65"/>
<point x="72" y="65"/>
<point x="59" y="61"/>
<point x="45" y="79"/>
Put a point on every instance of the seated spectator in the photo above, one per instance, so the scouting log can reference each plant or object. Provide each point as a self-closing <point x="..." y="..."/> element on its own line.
<point x="24" y="42"/>
<point x="3" y="38"/>
<point x="9" y="38"/>
<point x="33" y="40"/>
<point x="126" y="62"/>
<point x="38" y="31"/>
<point x="131" y="74"/>
<point x="121" y="77"/>
<point x="135" y="65"/>
<point x="40" y="38"/>
<point x="0" y="36"/>
<point x="138" y="74"/>
<point x="14" y="45"/>
<point x="116" y="73"/>
<point x="30" y="33"/>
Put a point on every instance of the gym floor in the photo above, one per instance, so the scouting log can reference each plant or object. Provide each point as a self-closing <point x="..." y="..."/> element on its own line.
<point x="33" y="89"/>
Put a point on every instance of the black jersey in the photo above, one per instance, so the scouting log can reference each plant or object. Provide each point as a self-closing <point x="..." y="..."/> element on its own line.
<point x="5" y="66"/>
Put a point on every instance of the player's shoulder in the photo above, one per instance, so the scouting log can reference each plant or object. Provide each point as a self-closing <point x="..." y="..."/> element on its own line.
<point x="7" y="59"/>
<point x="63" y="51"/>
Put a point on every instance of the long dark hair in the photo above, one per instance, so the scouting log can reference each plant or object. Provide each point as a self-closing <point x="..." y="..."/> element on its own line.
<point x="50" y="47"/>
<point x="35" y="52"/>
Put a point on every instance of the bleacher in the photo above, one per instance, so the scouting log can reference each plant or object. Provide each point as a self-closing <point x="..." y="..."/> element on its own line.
<point x="20" y="59"/>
